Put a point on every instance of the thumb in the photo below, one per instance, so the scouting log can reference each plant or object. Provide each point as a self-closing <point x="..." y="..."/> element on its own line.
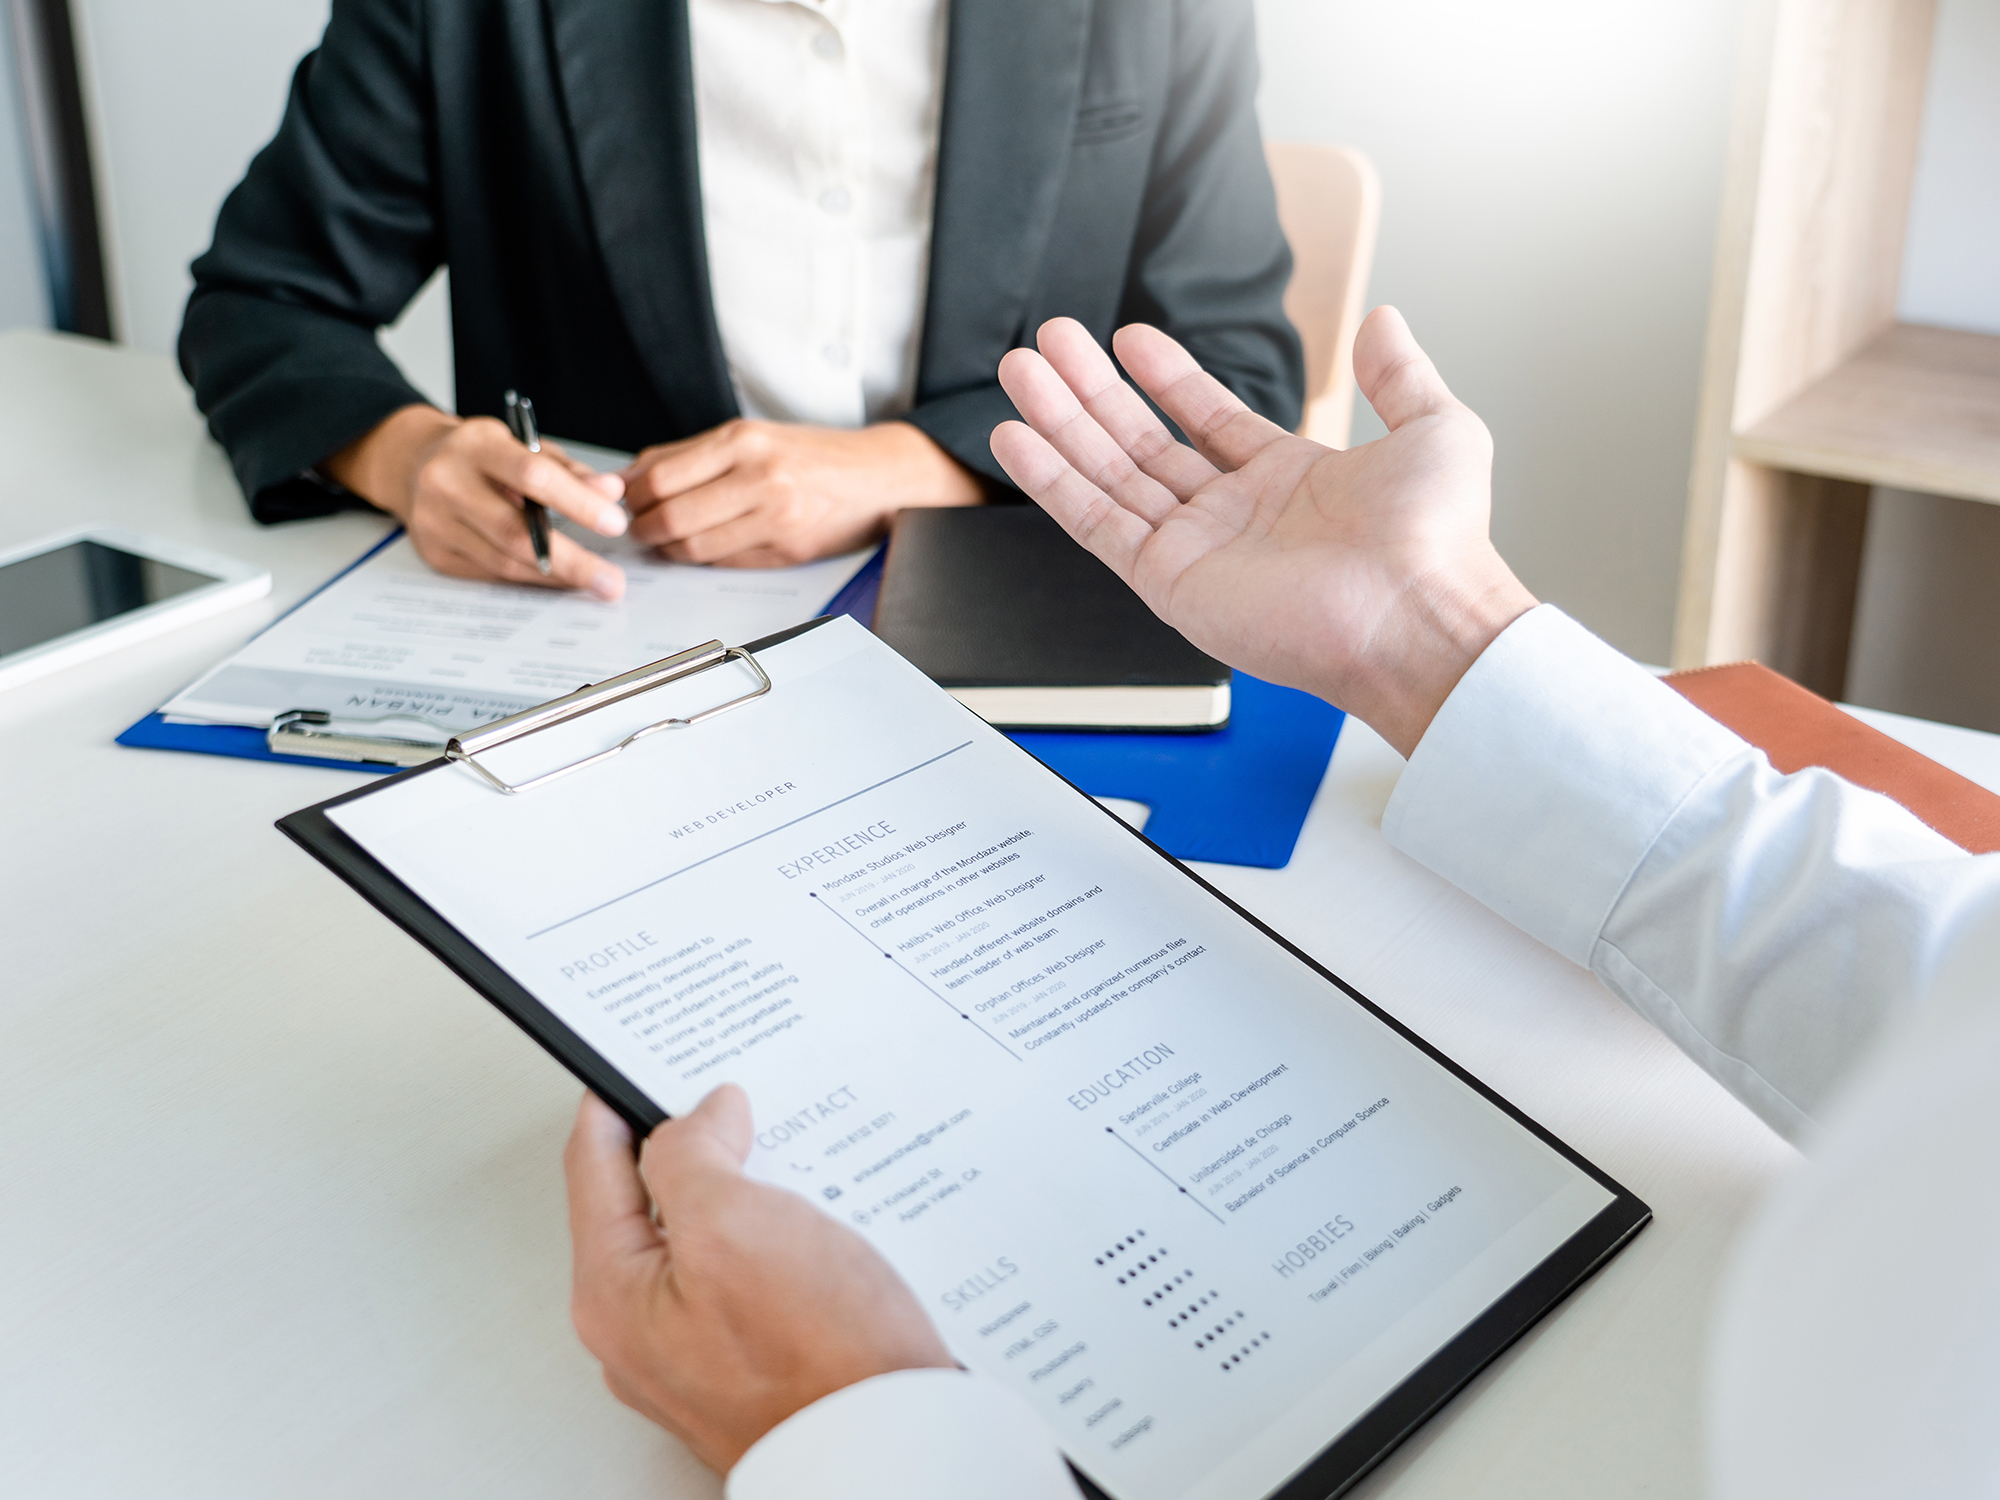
<point x="1395" y="375"/>
<point x="686" y="1161"/>
<point x="608" y="1214"/>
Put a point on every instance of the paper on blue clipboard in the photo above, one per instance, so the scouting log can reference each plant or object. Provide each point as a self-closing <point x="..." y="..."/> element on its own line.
<point x="391" y="642"/>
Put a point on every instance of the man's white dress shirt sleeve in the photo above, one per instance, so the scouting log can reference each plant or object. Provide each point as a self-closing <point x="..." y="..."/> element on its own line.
<point x="1769" y="924"/>
<point x="913" y="1435"/>
<point x="1774" y="926"/>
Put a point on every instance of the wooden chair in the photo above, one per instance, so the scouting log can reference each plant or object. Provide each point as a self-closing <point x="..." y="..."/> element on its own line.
<point x="1330" y="205"/>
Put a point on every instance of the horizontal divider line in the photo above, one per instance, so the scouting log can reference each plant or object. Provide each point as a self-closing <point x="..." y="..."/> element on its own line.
<point x="613" y="901"/>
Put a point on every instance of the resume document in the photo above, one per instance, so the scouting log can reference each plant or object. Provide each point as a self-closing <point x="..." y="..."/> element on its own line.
<point x="392" y="640"/>
<point x="1197" y="1204"/>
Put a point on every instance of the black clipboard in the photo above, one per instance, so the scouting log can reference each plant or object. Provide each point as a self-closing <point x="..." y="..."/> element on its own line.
<point x="1348" y="1456"/>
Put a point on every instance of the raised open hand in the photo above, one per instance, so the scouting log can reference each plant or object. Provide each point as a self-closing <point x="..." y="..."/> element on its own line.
<point x="1366" y="576"/>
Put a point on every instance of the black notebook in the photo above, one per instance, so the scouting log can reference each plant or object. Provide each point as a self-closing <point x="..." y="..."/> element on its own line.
<point x="998" y="606"/>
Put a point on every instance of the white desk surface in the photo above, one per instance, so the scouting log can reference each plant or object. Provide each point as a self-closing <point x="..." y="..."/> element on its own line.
<point x="281" y="1200"/>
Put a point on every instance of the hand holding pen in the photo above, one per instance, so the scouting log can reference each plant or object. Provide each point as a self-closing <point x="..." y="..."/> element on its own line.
<point x="459" y="486"/>
<point x="521" y="422"/>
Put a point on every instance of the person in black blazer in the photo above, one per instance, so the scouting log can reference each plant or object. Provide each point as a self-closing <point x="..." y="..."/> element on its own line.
<point x="1098" y="159"/>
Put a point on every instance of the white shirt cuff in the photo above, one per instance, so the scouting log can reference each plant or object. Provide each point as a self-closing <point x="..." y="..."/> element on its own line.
<point x="1546" y="776"/>
<point x="908" y="1435"/>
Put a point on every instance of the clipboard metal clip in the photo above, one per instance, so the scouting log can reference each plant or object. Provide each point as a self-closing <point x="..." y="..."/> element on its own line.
<point x="466" y="748"/>
<point x="314" y="732"/>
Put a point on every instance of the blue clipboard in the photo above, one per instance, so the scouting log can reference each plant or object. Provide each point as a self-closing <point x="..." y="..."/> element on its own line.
<point x="1237" y="796"/>
<point x="155" y="732"/>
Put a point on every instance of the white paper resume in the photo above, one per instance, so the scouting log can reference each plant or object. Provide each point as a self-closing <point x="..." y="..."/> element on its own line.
<point x="391" y="638"/>
<point x="1193" y="1201"/>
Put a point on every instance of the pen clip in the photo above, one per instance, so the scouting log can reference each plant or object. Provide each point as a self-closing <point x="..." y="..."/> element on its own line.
<point x="521" y="421"/>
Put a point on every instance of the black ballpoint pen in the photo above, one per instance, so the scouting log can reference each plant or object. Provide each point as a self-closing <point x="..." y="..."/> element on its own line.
<point x="521" y="419"/>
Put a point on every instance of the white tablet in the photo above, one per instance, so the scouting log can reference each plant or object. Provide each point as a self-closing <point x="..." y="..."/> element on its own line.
<point x="81" y="593"/>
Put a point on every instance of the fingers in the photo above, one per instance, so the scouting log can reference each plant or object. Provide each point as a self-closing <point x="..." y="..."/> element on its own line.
<point x="1396" y="375"/>
<point x="551" y="478"/>
<point x="466" y="513"/>
<point x="573" y="566"/>
<point x="751" y="558"/>
<point x="491" y="540"/>
<point x="1053" y="410"/>
<point x="610" y="1215"/>
<point x="611" y="485"/>
<point x="739" y="520"/>
<point x="688" y="1161"/>
<point x="1113" y="534"/>
<point x="689" y="514"/>
<point x="1131" y="437"/>
<point x="1226" y="431"/>
<point x="732" y="543"/>
<point x="671" y="469"/>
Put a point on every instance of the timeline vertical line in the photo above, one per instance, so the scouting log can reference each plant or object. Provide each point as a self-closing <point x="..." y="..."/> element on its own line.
<point x="941" y="999"/>
<point x="1166" y="1174"/>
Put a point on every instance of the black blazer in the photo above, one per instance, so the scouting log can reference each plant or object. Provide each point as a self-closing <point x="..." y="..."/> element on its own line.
<point x="1098" y="158"/>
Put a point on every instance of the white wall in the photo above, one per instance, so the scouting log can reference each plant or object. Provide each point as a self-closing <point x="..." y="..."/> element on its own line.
<point x="1951" y="266"/>
<point x="1927" y="626"/>
<point x="1552" y="174"/>
<point x="183" y="95"/>
<point x="24" y="289"/>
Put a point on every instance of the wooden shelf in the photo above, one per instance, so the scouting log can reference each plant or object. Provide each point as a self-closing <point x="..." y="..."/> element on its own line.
<point x="1810" y="391"/>
<point x="1916" y="409"/>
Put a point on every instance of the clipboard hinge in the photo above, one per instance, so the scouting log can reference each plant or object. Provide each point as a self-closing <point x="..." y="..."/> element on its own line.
<point x="466" y="748"/>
